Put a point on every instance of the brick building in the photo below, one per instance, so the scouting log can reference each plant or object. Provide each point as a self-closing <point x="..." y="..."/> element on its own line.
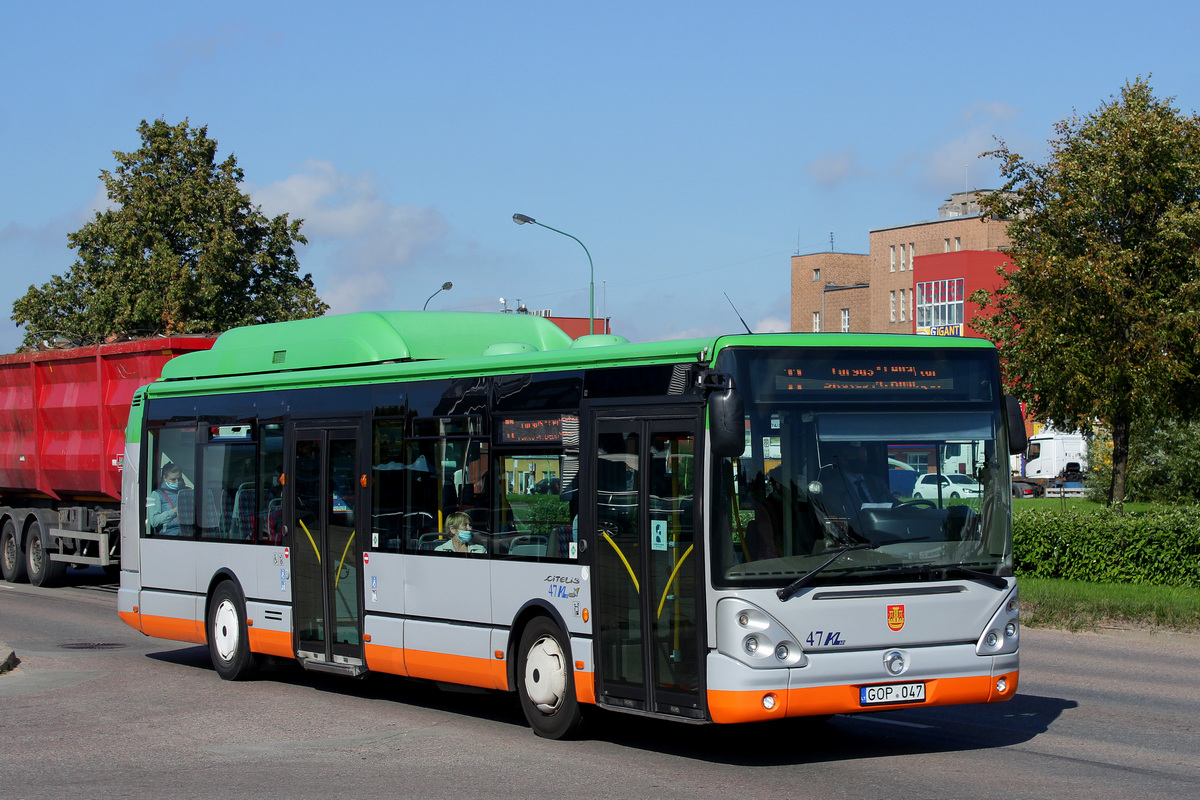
<point x="914" y="279"/>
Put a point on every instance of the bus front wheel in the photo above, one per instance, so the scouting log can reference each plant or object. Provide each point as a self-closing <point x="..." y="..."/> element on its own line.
<point x="546" y="681"/>
<point x="228" y="642"/>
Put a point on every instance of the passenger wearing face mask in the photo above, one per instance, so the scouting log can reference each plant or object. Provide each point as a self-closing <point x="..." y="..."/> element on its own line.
<point x="458" y="528"/>
<point x="162" y="506"/>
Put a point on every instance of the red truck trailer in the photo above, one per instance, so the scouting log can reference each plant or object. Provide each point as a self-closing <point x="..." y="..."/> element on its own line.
<point x="62" y="444"/>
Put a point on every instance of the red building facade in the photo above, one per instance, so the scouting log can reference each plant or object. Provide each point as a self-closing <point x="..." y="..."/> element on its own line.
<point x="942" y="287"/>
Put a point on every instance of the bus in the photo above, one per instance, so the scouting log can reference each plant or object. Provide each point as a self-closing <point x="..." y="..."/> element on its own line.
<point x="700" y="530"/>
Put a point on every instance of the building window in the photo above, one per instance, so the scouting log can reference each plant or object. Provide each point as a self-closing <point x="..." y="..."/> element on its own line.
<point x="893" y="267"/>
<point x="947" y="244"/>
<point x="816" y="275"/>
<point x="939" y="303"/>
<point x="902" y="258"/>
<point x="894" y="305"/>
<point x="912" y="254"/>
<point x="957" y="243"/>
<point x="816" y="322"/>
<point x="845" y="320"/>
<point x="902" y="292"/>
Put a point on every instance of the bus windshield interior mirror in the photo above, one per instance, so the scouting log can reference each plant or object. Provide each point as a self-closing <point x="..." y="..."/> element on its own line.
<point x="1017" y="440"/>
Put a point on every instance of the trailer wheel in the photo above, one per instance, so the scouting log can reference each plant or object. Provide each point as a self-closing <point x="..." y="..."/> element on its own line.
<point x="12" y="555"/>
<point x="43" y="571"/>
<point x="546" y="681"/>
<point x="228" y="641"/>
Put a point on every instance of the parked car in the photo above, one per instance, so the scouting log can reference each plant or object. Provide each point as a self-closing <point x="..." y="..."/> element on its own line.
<point x="952" y="486"/>
<point x="545" y="486"/>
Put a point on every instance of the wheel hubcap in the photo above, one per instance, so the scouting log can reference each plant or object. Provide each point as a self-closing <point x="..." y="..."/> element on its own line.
<point x="546" y="675"/>
<point x="35" y="554"/>
<point x="225" y="630"/>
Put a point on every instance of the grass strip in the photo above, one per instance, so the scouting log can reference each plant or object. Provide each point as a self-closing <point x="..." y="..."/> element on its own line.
<point x="1076" y="605"/>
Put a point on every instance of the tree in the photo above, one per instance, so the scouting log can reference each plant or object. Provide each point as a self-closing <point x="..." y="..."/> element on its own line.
<point x="1164" y="462"/>
<point x="1098" y="319"/>
<point x="182" y="251"/>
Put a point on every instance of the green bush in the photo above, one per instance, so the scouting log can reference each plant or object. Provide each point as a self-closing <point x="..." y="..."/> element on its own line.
<point x="1159" y="547"/>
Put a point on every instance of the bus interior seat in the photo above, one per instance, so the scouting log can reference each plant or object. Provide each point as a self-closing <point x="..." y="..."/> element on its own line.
<point x="528" y="549"/>
<point x="242" y="515"/>
<point x="430" y="541"/>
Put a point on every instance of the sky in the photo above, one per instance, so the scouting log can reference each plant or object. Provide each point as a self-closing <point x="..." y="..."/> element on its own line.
<point x="692" y="147"/>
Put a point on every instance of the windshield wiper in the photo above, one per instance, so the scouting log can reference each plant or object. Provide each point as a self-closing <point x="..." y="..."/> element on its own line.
<point x="947" y="571"/>
<point x="787" y="592"/>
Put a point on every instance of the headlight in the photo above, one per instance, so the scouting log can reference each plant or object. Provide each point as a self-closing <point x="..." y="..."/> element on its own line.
<point x="1003" y="631"/>
<point x="748" y="634"/>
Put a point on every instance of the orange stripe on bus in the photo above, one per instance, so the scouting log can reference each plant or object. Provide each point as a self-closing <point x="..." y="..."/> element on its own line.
<point x="741" y="706"/>
<point x="381" y="658"/>
<point x="271" y="643"/>
<point x="131" y="618"/>
<point x="585" y="687"/>
<point x="180" y="630"/>
<point x="486" y="673"/>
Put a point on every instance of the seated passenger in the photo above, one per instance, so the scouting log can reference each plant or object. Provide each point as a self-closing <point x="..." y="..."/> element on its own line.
<point x="162" y="505"/>
<point x="458" y="528"/>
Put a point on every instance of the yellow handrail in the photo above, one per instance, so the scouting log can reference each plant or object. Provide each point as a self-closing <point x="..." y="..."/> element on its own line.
<point x="310" y="539"/>
<point x="671" y="579"/>
<point x="343" y="561"/>
<point x="624" y="560"/>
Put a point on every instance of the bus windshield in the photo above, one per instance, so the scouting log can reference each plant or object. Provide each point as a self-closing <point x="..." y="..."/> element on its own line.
<point x="892" y="459"/>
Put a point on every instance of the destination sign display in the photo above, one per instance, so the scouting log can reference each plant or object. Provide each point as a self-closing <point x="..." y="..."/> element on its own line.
<point x="867" y="376"/>
<point x="542" y="430"/>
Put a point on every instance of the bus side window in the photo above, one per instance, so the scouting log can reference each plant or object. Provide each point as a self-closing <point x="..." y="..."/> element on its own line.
<point x="534" y="518"/>
<point x="391" y="524"/>
<point x="171" y="511"/>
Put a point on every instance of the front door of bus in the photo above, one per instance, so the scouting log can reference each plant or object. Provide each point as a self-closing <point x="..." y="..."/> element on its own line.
<point x="325" y="492"/>
<point x="646" y="564"/>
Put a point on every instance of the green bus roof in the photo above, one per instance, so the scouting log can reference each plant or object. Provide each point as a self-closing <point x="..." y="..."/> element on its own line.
<point x="381" y="345"/>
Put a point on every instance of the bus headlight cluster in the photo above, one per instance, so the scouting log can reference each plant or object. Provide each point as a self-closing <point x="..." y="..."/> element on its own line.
<point x="747" y="633"/>
<point x="1002" y="632"/>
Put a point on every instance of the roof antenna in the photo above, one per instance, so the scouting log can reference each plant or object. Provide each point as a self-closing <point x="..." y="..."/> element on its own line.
<point x="739" y="316"/>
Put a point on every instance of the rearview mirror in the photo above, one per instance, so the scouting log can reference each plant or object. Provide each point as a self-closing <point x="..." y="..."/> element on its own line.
<point x="726" y="423"/>
<point x="1017" y="440"/>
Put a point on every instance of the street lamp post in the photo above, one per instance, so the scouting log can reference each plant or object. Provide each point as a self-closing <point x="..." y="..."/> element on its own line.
<point x="521" y="219"/>
<point x="447" y="286"/>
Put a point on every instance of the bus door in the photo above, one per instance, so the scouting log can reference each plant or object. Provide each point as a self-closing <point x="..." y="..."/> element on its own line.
<point x="324" y="486"/>
<point x="647" y="568"/>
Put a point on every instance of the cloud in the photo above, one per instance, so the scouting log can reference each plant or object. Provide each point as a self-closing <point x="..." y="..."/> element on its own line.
<point x="956" y="163"/>
<point x="368" y="242"/>
<point x="352" y="210"/>
<point x="365" y="290"/>
<point x="52" y="233"/>
<point x="772" y="325"/>
<point x="191" y="52"/>
<point x="832" y="169"/>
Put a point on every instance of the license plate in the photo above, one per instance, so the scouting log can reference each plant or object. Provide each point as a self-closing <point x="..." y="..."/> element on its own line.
<point x="891" y="693"/>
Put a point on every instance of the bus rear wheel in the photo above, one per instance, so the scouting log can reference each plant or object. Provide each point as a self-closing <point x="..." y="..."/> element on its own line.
<point x="43" y="571"/>
<point x="546" y="681"/>
<point x="228" y="641"/>
<point x="12" y="555"/>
